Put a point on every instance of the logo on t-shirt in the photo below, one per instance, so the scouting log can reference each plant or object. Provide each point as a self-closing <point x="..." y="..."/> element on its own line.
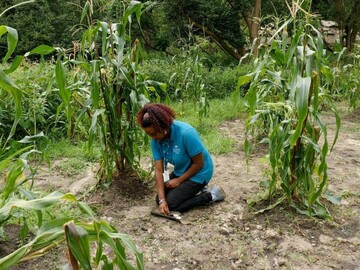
<point x="176" y="149"/>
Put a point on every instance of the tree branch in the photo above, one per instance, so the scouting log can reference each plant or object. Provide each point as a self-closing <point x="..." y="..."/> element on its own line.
<point x="218" y="39"/>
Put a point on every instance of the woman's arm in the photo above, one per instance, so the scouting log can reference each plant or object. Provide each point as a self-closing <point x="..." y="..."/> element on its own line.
<point x="197" y="162"/>
<point x="160" y="186"/>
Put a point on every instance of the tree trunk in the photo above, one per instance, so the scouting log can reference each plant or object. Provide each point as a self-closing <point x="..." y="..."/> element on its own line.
<point x="348" y="23"/>
<point x="252" y="21"/>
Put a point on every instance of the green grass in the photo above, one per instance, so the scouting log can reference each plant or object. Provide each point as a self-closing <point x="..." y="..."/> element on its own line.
<point x="74" y="155"/>
<point x="220" y="110"/>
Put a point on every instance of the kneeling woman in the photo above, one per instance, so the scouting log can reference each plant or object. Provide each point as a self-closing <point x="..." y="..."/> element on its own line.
<point x="178" y="143"/>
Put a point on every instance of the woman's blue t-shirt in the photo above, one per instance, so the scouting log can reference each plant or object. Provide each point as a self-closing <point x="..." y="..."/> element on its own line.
<point x="184" y="143"/>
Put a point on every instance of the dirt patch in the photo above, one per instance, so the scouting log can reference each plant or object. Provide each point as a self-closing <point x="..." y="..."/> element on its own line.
<point x="228" y="235"/>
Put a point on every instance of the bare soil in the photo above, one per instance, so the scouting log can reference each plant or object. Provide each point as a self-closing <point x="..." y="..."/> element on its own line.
<point x="228" y="235"/>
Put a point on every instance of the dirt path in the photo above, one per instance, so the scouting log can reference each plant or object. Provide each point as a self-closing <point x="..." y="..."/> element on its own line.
<point x="228" y="235"/>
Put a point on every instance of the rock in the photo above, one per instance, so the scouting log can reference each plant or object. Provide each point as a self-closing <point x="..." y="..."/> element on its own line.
<point x="236" y="264"/>
<point x="224" y="231"/>
<point x="270" y="233"/>
<point x="281" y="262"/>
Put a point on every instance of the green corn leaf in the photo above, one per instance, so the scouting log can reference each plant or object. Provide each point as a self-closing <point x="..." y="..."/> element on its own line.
<point x="24" y="231"/>
<point x="324" y="179"/>
<point x="31" y="196"/>
<point x="10" y="182"/>
<point x="104" y="32"/>
<point x="92" y="130"/>
<point x="14" y="257"/>
<point x="311" y="142"/>
<point x="95" y="84"/>
<point x="111" y="233"/>
<point x="133" y="7"/>
<point x="130" y="244"/>
<point x="286" y="188"/>
<point x="33" y="249"/>
<point x="251" y="98"/>
<point x="244" y="80"/>
<point x="278" y="201"/>
<point x="12" y="39"/>
<point x="106" y="264"/>
<point x="3" y="30"/>
<point x="235" y="96"/>
<point x="78" y="244"/>
<point x="85" y="10"/>
<point x="99" y="250"/>
<point x="31" y="139"/>
<point x="320" y="210"/>
<point x="7" y="160"/>
<point x="52" y="226"/>
<point x="335" y="199"/>
<point x="302" y="96"/>
<point x="42" y="50"/>
<point x="36" y="204"/>
<point x="278" y="56"/>
<point x="119" y="251"/>
<point x="16" y="93"/>
<point x="60" y="75"/>
<point x="337" y="119"/>
<point x="85" y="208"/>
<point x="15" y="64"/>
<point x="293" y="46"/>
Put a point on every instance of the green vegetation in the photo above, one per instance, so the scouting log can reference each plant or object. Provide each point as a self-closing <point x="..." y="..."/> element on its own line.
<point x="288" y="87"/>
<point x="77" y="102"/>
<point x="209" y="127"/>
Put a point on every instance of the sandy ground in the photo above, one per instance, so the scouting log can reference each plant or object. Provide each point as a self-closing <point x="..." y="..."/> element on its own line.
<point x="228" y="235"/>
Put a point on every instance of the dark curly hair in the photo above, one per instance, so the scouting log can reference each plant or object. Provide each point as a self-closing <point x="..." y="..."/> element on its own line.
<point x="157" y="115"/>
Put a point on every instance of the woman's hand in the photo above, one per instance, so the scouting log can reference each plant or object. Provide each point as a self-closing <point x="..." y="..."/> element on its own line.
<point x="173" y="183"/>
<point x="164" y="208"/>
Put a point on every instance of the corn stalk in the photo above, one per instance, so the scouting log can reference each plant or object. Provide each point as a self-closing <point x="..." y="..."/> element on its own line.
<point x="286" y="92"/>
<point x="106" y="78"/>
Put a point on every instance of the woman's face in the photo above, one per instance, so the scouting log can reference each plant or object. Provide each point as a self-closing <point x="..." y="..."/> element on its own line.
<point x="153" y="133"/>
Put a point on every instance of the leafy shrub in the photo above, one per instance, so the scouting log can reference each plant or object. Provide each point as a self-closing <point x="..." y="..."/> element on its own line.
<point x="219" y="81"/>
<point x="39" y="102"/>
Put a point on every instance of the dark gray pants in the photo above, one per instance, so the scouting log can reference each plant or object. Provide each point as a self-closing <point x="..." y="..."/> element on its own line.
<point x="186" y="196"/>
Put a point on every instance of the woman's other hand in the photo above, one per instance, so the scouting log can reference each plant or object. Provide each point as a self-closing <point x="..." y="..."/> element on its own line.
<point x="173" y="183"/>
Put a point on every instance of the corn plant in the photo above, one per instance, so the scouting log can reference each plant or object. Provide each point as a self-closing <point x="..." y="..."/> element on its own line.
<point x="80" y="236"/>
<point x="18" y="201"/>
<point x="77" y="234"/>
<point x="346" y="76"/>
<point x="288" y="87"/>
<point x="188" y="82"/>
<point x="7" y="86"/>
<point x="109" y="89"/>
